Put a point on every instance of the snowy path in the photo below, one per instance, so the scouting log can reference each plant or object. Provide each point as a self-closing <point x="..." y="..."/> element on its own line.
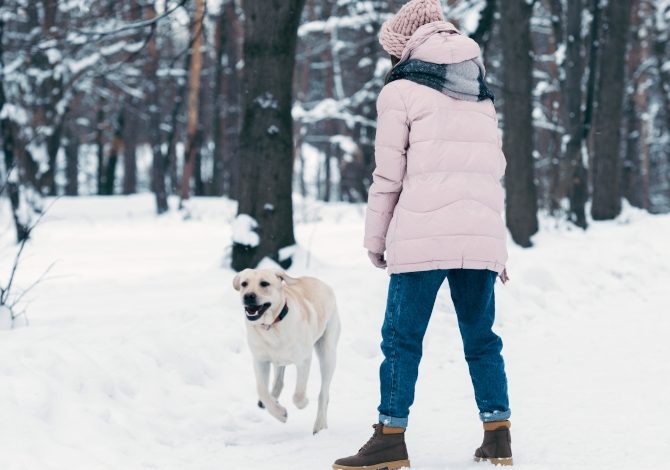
<point x="135" y="357"/>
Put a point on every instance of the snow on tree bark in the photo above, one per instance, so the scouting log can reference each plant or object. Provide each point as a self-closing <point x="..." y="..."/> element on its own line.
<point x="266" y="157"/>
<point x="153" y="93"/>
<point x="572" y="114"/>
<point x="520" y="185"/>
<point x="12" y="184"/>
<point x="610" y="96"/>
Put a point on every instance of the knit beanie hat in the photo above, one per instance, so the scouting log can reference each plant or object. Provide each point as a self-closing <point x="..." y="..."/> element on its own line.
<point x="397" y="30"/>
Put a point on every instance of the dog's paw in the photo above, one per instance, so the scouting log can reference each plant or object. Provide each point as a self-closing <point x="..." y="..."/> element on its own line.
<point x="320" y="425"/>
<point x="300" y="401"/>
<point x="279" y="412"/>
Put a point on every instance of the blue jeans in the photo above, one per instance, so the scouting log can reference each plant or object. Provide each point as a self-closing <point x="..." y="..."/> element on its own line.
<point x="410" y="303"/>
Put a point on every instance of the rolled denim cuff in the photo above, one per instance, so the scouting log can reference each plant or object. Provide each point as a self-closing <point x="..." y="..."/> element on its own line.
<point x="393" y="422"/>
<point x="495" y="415"/>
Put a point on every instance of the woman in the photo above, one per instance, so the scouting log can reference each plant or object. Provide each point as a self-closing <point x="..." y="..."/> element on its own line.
<point x="435" y="210"/>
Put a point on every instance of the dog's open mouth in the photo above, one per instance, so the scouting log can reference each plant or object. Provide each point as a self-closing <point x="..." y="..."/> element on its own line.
<point x="254" y="312"/>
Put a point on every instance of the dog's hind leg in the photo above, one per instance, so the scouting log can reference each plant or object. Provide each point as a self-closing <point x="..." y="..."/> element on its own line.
<point x="326" y="350"/>
<point x="262" y="370"/>
<point x="299" y="397"/>
<point x="279" y="381"/>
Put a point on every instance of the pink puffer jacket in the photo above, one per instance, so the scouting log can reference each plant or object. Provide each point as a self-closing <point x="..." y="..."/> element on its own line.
<point x="436" y="201"/>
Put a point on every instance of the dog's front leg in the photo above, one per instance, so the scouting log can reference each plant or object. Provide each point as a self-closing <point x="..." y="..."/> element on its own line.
<point x="279" y="381"/>
<point x="262" y="370"/>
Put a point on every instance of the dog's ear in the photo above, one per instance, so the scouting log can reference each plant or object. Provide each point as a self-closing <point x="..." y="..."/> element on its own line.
<point x="236" y="281"/>
<point x="286" y="278"/>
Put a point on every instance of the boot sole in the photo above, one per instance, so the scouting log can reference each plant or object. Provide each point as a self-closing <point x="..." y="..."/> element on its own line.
<point x="505" y="462"/>
<point x="395" y="465"/>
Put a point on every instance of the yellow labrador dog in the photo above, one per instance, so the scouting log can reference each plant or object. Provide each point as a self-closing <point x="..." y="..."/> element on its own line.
<point x="286" y="319"/>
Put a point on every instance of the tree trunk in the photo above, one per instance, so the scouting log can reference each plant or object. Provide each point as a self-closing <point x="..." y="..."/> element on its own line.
<point x="53" y="145"/>
<point x="114" y="151"/>
<point x="232" y="117"/>
<point x="635" y="171"/>
<point x="198" y="183"/>
<point x="660" y="54"/>
<point x="193" y="102"/>
<point x="589" y="106"/>
<point x="170" y="159"/>
<point x="594" y="60"/>
<point x="607" y="130"/>
<point x="328" y="167"/>
<point x="485" y="26"/>
<point x="158" y="178"/>
<point x="130" y="153"/>
<point x="301" y="175"/>
<point x="266" y="141"/>
<point x="331" y="91"/>
<point x="630" y="181"/>
<point x="572" y="114"/>
<point x="100" y="148"/>
<point x="51" y="91"/>
<point x="12" y="185"/>
<point x="521" y="201"/>
<point x="158" y="162"/>
<point x="301" y="85"/>
<point x="72" y="164"/>
<point x="133" y="12"/>
<point x="557" y="169"/>
<point x="218" y="161"/>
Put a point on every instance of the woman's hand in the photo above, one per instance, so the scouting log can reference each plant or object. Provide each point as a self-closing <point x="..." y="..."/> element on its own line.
<point x="377" y="259"/>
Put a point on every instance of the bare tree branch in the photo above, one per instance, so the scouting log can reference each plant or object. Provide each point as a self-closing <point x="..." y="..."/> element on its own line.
<point x="136" y="25"/>
<point x="31" y="287"/>
<point x="4" y="292"/>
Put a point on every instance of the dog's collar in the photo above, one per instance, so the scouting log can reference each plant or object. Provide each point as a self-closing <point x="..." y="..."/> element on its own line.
<point x="282" y="314"/>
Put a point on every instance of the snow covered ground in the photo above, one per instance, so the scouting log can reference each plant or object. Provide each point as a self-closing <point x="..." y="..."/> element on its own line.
<point x="135" y="355"/>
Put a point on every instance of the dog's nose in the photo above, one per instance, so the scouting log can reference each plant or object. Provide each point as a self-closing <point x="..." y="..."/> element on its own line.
<point x="250" y="298"/>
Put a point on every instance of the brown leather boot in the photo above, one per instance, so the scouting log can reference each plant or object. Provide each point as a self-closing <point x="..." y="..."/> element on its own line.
<point x="497" y="445"/>
<point x="385" y="450"/>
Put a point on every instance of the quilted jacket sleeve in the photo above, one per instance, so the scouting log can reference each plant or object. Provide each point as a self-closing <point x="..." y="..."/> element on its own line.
<point x="391" y="145"/>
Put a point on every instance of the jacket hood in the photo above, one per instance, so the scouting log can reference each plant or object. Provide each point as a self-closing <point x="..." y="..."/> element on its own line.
<point x="440" y="42"/>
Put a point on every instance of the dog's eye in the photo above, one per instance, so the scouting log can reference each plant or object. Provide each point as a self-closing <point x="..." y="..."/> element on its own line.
<point x="245" y="284"/>
<point x="265" y="283"/>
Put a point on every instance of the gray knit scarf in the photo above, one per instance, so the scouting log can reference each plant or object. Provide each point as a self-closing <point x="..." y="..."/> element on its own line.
<point x="462" y="81"/>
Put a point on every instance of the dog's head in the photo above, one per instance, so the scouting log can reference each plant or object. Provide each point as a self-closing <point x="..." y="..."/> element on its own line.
<point x="262" y="291"/>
